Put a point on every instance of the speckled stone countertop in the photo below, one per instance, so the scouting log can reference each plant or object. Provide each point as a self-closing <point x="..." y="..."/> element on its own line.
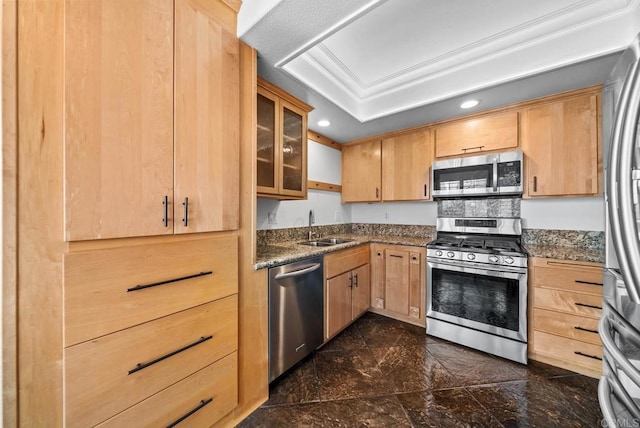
<point x="287" y="252"/>
<point x="595" y="255"/>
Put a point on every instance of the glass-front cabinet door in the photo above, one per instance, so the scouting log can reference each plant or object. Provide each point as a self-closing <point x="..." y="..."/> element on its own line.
<point x="281" y="143"/>
<point x="267" y="156"/>
<point x="294" y="151"/>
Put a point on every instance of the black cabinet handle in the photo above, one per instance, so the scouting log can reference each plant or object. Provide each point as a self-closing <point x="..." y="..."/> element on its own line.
<point x="588" y="306"/>
<point x="185" y="220"/>
<point x="190" y="412"/>
<point x="586" y="329"/>
<point x="356" y="280"/>
<point x="588" y="282"/>
<point x="169" y="281"/>
<point x="535" y="183"/>
<point x="351" y="280"/>
<point x="377" y="193"/>
<point x="396" y="256"/>
<point x="165" y="220"/>
<point x="582" y="354"/>
<point x="425" y="190"/>
<point x="141" y="366"/>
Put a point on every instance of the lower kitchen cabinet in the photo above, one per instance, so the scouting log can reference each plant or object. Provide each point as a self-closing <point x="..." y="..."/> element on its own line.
<point x="347" y="288"/>
<point x="565" y="304"/>
<point x="398" y="282"/>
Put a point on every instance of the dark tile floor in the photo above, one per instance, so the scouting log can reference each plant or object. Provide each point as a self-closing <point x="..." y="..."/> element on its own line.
<point x="384" y="373"/>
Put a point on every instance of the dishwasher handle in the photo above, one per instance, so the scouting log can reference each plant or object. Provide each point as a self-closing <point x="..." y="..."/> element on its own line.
<point x="299" y="272"/>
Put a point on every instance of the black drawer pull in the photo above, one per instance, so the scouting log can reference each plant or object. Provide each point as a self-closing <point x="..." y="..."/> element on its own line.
<point x="582" y="354"/>
<point x="169" y="281"/>
<point x="165" y="220"/>
<point x="141" y="366"/>
<point x="588" y="306"/>
<point x="586" y="329"/>
<point x="190" y="412"/>
<point x="588" y="282"/>
<point x="398" y="257"/>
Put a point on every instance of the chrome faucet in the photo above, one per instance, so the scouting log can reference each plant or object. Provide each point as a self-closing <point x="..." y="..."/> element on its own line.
<point x="311" y="221"/>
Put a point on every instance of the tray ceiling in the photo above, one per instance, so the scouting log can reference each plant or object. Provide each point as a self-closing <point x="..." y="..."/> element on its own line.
<point x="379" y="57"/>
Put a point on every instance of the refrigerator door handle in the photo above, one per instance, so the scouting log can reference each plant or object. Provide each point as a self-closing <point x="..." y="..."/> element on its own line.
<point x="612" y="352"/>
<point x="620" y="181"/>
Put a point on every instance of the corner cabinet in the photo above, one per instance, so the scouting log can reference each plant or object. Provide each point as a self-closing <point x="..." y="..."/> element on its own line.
<point x="406" y="165"/>
<point x="398" y="282"/>
<point x="347" y="288"/>
<point x="561" y="144"/>
<point x="168" y="162"/>
<point x="282" y="143"/>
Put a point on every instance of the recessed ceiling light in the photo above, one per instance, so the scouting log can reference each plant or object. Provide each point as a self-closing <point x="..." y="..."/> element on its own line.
<point x="324" y="122"/>
<point x="469" y="104"/>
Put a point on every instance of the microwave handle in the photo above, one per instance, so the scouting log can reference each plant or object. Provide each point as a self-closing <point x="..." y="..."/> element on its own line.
<point x="495" y="174"/>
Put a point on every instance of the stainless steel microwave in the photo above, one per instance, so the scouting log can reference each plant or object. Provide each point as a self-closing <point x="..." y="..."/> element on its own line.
<point x="494" y="174"/>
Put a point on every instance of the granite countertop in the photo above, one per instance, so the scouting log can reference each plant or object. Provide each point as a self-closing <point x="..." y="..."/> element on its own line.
<point x="287" y="252"/>
<point x="595" y="255"/>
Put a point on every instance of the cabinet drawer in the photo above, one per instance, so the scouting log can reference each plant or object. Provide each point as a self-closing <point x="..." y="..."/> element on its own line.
<point x="107" y="375"/>
<point x="568" y="276"/>
<point x="345" y="260"/>
<point x="567" y="350"/>
<point x="571" y="326"/>
<point x="217" y="382"/>
<point x="96" y="296"/>
<point x="588" y="305"/>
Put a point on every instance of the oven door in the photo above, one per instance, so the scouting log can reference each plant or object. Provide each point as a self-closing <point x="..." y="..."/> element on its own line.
<point x="485" y="299"/>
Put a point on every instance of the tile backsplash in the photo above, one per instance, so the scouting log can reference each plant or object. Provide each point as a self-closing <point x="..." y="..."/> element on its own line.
<point x="478" y="208"/>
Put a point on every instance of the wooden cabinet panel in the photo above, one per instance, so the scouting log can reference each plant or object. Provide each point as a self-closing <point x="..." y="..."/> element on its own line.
<point x="217" y="382"/>
<point x="126" y="366"/>
<point x="406" y="162"/>
<point x="416" y="289"/>
<point x="567" y="275"/>
<point x="118" y="118"/>
<point x="361" y="172"/>
<point x="207" y="120"/>
<point x="561" y="144"/>
<point x="361" y="296"/>
<point x="96" y="301"/>
<point x="480" y="134"/>
<point x="566" y="325"/>
<point x="588" y="305"/>
<point x="345" y="260"/>
<point x="396" y="281"/>
<point x="377" y="276"/>
<point x="569" y="353"/>
<point x="338" y="309"/>
<point x="293" y="179"/>
<point x="268" y="128"/>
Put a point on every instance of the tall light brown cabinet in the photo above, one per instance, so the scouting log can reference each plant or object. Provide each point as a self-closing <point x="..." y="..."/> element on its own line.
<point x="134" y="121"/>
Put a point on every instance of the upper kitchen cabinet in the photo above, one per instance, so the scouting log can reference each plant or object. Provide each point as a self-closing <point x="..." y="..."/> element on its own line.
<point x="361" y="172"/>
<point x="474" y="135"/>
<point x="406" y="162"/>
<point x="131" y="121"/>
<point x="561" y="143"/>
<point x="282" y="143"/>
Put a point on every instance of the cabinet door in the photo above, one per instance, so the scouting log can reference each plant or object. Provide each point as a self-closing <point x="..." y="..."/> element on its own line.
<point x="293" y="178"/>
<point x="377" y="276"/>
<point x="118" y="117"/>
<point x="268" y="156"/>
<point x="361" y="291"/>
<point x="481" y="134"/>
<point x="417" y="261"/>
<point x="207" y="118"/>
<point x="560" y="141"/>
<point x="406" y="162"/>
<point x="397" y="281"/>
<point x="338" y="303"/>
<point x="361" y="172"/>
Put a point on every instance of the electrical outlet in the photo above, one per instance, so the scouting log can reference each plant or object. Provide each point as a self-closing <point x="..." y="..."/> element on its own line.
<point x="337" y="216"/>
<point x="272" y="217"/>
<point x="386" y="216"/>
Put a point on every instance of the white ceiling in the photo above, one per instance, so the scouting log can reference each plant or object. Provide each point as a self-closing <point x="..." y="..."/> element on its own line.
<point x="375" y="58"/>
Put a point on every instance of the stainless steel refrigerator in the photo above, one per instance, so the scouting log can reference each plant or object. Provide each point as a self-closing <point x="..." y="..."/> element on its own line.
<point x="619" y="387"/>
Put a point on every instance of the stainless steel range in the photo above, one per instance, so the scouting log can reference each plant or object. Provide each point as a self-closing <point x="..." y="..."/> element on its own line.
<point x="477" y="285"/>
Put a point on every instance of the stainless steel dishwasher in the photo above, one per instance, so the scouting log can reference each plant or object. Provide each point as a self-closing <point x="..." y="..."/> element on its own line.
<point x="296" y="316"/>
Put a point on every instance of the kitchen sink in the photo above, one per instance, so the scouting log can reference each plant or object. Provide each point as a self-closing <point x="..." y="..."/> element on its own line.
<point x="326" y="242"/>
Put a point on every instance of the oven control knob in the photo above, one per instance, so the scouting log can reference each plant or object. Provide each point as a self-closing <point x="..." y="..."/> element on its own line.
<point x="508" y="260"/>
<point x="494" y="259"/>
<point x="438" y="253"/>
<point x="450" y="254"/>
<point x="471" y="256"/>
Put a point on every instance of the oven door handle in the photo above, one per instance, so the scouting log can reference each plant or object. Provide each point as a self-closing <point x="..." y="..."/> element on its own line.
<point x="486" y="272"/>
